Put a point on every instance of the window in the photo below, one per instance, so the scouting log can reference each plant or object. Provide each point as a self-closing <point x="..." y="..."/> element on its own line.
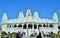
<point x="15" y="25"/>
<point x="44" y="25"/>
<point x="8" y="26"/>
<point x="39" y="26"/>
<point x="30" y="26"/>
<point x="25" y="26"/>
<point x="50" y="25"/>
<point x="35" y="26"/>
<point x="20" y="25"/>
<point x="58" y="27"/>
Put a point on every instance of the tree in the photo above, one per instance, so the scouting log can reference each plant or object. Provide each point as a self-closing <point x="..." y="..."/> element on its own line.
<point x="13" y="34"/>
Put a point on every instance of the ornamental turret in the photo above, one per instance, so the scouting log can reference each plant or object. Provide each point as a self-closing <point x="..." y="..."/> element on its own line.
<point x="36" y="14"/>
<point x="28" y="13"/>
<point x="55" y="17"/>
<point x="21" y="15"/>
<point x="4" y="17"/>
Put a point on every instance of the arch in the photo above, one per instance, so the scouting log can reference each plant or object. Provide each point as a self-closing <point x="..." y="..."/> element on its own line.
<point x="20" y="25"/>
<point x="45" y="25"/>
<point x="29" y="26"/>
<point x="35" y="26"/>
<point x="51" y="25"/>
<point x="24" y="26"/>
<point x="39" y="26"/>
<point x="58" y="27"/>
<point x="9" y="26"/>
<point x="15" y="25"/>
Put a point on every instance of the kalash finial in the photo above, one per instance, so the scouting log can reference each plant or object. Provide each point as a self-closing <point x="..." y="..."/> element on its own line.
<point x="55" y="10"/>
<point x="4" y="10"/>
<point x="35" y="10"/>
<point x="20" y="9"/>
<point x="28" y="5"/>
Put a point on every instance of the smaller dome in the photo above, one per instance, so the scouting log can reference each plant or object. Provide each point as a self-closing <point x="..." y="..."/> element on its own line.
<point x="20" y="15"/>
<point x="36" y="14"/>
<point x="28" y="13"/>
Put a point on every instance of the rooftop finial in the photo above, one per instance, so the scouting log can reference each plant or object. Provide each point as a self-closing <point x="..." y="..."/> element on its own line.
<point x="4" y="10"/>
<point x="21" y="14"/>
<point x="55" y="10"/>
<point x="35" y="9"/>
<point x="28" y="5"/>
<point x="20" y="9"/>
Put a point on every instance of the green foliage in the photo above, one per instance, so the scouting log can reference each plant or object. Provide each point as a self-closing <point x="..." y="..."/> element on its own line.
<point x="58" y="32"/>
<point x="13" y="34"/>
<point x="3" y="33"/>
<point x="51" y="33"/>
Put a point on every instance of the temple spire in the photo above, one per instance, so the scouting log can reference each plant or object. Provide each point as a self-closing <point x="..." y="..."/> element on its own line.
<point x="28" y="13"/>
<point x="20" y="14"/>
<point x="36" y="14"/>
<point x="4" y="17"/>
<point x="55" y="17"/>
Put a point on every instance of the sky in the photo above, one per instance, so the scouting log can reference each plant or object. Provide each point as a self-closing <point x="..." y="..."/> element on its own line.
<point x="45" y="8"/>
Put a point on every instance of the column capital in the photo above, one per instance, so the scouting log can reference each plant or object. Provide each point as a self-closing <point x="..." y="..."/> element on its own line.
<point x="22" y="24"/>
<point x="37" y="24"/>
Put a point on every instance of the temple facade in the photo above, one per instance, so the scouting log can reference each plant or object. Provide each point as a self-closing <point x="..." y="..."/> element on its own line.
<point x="29" y="24"/>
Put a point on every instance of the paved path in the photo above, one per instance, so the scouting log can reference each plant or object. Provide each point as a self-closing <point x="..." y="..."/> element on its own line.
<point x="34" y="37"/>
<point x="47" y="37"/>
<point x="31" y="37"/>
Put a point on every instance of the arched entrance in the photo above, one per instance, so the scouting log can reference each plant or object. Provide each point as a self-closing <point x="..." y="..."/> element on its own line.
<point x="29" y="26"/>
<point x="39" y="26"/>
<point x="24" y="26"/>
<point x="35" y="26"/>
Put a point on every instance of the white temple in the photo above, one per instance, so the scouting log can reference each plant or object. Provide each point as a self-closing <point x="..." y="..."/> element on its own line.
<point x="29" y="24"/>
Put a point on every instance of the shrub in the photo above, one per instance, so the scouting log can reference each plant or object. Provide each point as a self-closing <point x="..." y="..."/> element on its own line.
<point x="13" y="34"/>
<point x="3" y="33"/>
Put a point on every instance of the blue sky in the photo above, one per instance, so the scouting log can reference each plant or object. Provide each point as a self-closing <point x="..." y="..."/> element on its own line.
<point x="45" y="8"/>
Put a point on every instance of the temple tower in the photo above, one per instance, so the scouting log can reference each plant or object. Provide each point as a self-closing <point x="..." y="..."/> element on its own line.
<point x="4" y="17"/>
<point x="21" y="15"/>
<point x="36" y="14"/>
<point x="55" y="17"/>
<point x="28" y="13"/>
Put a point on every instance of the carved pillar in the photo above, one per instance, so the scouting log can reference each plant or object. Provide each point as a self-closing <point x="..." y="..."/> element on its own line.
<point x="33" y="25"/>
<point x="42" y="27"/>
<point x="22" y="27"/>
<point x="37" y="26"/>
<point x="27" y="29"/>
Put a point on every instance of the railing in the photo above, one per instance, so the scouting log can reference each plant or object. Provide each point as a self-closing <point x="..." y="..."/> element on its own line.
<point x="29" y="22"/>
